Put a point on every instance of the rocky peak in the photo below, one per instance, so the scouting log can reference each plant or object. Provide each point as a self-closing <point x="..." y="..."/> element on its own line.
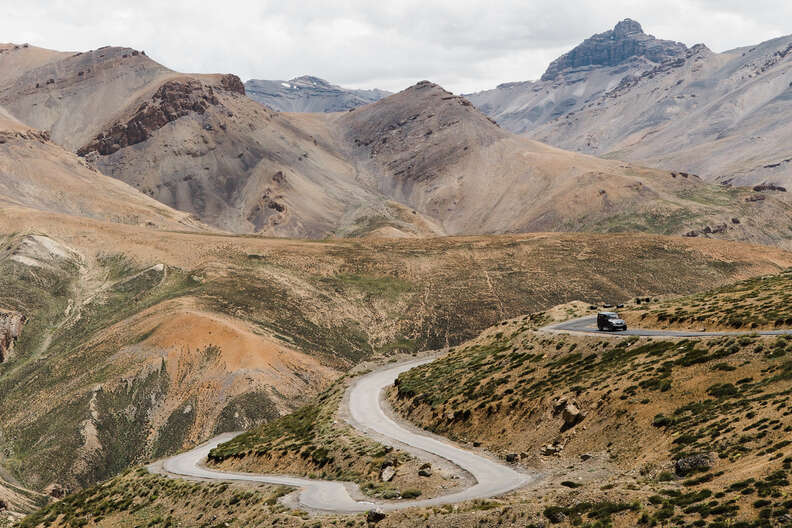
<point x="626" y="27"/>
<point x="626" y="41"/>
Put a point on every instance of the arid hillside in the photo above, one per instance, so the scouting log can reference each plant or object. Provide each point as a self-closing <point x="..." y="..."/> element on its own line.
<point x="626" y="431"/>
<point x="435" y="152"/>
<point x="761" y="303"/>
<point x="619" y="432"/>
<point x="37" y="173"/>
<point x="625" y="95"/>
<point x="192" y="333"/>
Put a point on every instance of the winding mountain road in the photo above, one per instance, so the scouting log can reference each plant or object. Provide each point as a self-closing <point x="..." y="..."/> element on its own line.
<point x="588" y="326"/>
<point x="367" y="412"/>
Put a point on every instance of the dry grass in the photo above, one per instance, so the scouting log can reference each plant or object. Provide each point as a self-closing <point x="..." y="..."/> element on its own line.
<point x="761" y="303"/>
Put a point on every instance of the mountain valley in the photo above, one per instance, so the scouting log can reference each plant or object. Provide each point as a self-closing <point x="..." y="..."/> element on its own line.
<point x="190" y="263"/>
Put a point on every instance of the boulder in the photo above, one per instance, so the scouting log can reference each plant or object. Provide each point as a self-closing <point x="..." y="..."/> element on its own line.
<point x="374" y="516"/>
<point x="689" y="464"/>
<point x="572" y="415"/>
<point x="511" y="458"/>
<point x="551" y="449"/>
<point x="56" y="491"/>
<point x="387" y="473"/>
<point x="425" y="470"/>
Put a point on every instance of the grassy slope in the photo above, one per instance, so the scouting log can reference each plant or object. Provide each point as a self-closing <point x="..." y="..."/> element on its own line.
<point x="647" y="404"/>
<point x="761" y="303"/>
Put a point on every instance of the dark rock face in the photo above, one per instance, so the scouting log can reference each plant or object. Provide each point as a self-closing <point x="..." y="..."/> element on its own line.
<point x="10" y="329"/>
<point x="172" y="100"/>
<point x="616" y="46"/>
<point x="700" y="462"/>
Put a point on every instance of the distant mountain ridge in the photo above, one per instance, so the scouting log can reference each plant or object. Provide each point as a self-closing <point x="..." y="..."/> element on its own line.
<point x="420" y="163"/>
<point x="624" y="94"/>
<point x="591" y="69"/>
<point x="309" y="94"/>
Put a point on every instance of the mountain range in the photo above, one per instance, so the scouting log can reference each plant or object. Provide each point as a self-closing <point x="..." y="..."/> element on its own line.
<point x="423" y="162"/>
<point x="624" y="94"/>
<point x="183" y="255"/>
<point x="309" y="94"/>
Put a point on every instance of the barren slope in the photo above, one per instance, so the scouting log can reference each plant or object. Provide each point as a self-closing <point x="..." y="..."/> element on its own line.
<point x="582" y="75"/>
<point x="36" y="173"/>
<point x="436" y="153"/>
<point x="419" y="163"/>
<point x="723" y="116"/>
<point x="635" y="431"/>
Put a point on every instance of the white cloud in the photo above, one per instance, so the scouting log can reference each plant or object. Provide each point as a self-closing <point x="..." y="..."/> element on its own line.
<point x="465" y="45"/>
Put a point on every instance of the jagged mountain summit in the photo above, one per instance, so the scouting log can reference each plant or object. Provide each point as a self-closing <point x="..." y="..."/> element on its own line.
<point x="625" y="42"/>
<point x="309" y="94"/>
<point x="627" y="95"/>
<point x="724" y="116"/>
<point x="591" y="69"/>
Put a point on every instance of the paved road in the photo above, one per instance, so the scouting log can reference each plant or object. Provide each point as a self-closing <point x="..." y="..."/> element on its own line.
<point x="366" y="413"/>
<point x="588" y="325"/>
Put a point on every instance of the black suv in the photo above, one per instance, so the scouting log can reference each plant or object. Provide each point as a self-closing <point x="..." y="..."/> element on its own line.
<point x="610" y="321"/>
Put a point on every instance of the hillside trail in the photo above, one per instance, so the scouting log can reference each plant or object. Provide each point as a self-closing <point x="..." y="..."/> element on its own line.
<point x="368" y="412"/>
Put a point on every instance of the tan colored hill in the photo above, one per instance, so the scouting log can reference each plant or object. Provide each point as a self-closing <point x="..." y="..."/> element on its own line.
<point x="622" y="433"/>
<point x="36" y="173"/>
<point x="17" y="59"/>
<point x="196" y="143"/>
<point x="435" y="152"/>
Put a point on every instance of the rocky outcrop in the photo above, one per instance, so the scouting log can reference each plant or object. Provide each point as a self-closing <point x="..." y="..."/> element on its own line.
<point x="693" y="463"/>
<point x="56" y="491"/>
<point x="710" y="230"/>
<point x="616" y="46"/>
<point x="388" y="471"/>
<point x="373" y="517"/>
<point x="172" y="100"/>
<point x="569" y="411"/>
<point x="763" y="187"/>
<point x="10" y="329"/>
<point x="232" y="83"/>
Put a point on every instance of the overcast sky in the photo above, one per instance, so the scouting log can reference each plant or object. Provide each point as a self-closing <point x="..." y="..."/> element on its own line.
<point x="463" y="45"/>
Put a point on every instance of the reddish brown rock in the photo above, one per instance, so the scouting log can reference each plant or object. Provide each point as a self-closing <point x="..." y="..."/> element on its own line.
<point x="232" y="83"/>
<point x="172" y="100"/>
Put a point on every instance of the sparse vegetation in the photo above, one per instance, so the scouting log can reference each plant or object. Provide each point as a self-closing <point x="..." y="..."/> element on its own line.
<point x="762" y="303"/>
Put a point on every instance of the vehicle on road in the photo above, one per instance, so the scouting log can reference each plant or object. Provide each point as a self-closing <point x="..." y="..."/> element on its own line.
<point x="610" y="321"/>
